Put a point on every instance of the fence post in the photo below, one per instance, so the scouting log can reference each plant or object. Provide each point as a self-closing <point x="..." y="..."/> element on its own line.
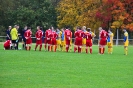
<point x="117" y="37"/>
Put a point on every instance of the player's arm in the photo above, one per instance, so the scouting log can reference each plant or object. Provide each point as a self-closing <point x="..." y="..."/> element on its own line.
<point x="93" y="35"/>
<point x="7" y="35"/>
<point x="125" y="37"/>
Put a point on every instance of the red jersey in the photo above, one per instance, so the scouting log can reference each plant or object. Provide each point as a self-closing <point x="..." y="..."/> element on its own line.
<point x="103" y="34"/>
<point x="27" y="34"/>
<point x="39" y="34"/>
<point x="68" y="34"/>
<point x="79" y="34"/>
<point x="75" y="34"/>
<point x="7" y="43"/>
<point x="48" y="33"/>
<point x="88" y="36"/>
<point x="53" y="35"/>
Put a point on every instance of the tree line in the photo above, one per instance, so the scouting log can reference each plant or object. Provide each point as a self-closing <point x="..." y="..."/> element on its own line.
<point x="115" y="14"/>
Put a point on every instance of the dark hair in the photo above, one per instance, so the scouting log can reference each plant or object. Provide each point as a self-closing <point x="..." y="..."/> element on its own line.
<point x="29" y="28"/>
<point x="89" y="29"/>
<point x="41" y="28"/>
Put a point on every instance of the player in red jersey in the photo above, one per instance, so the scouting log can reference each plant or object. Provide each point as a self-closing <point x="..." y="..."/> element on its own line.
<point x="79" y="35"/>
<point x="75" y="41"/>
<point x="53" y="37"/>
<point x="89" y="36"/>
<point x="27" y="36"/>
<point x="68" y="37"/>
<point x="47" y="39"/>
<point x="102" y="40"/>
<point x="38" y="35"/>
<point x="7" y="44"/>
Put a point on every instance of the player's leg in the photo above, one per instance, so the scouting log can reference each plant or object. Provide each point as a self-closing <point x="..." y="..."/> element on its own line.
<point x="126" y="50"/>
<point x="40" y="48"/>
<point x="90" y="46"/>
<point x="30" y="44"/>
<point x="67" y="45"/>
<point x="99" y="46"/>
<point x="45" y="44"/>
<point x="37" y="43"/>
<point x="27" y="46"/>
<point x="83" y="44"/>
<point x="63" y="46"/>
<point x="40" y="42"/>
<point x="111" y="48"/>
<point x="75" y="48"/>
<point x="49" y="45"/>
<point x="75" y="45"/>
<point x="86" y="49"/>
<point x="87" y="44"/>
<point x="55" y="47"/>
<point x="70" y="45"/>
<point x="52" y="45"/>
<point x="58" y="44"/>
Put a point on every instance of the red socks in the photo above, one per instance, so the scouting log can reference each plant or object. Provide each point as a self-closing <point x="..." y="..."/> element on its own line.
<point x="79" y="50"/>
<point x="100" y="50"/>
<point x="67" y="49"/>
<point x="75" y="48"/>
<point x="90" y="50"/>
<point x="36" y="47"/>
<point x="87" y="51"/>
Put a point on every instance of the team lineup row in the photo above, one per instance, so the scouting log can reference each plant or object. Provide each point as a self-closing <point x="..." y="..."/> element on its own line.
<point x="62" y="39"/>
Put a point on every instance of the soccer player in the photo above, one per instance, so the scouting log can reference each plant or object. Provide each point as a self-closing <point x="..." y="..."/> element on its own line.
<point x="84" y="39"/>
<point x="75" y="41"/>
<point x="89" y="36"/>
<point x="23" y="38"/>
<point x="59" y="33"/>
<point x="63" y="40"/>
<point x="17" y="41"/>
<point x="70" y="42"/>
<point x="38" y="35"/>
<point x="67" y="38"/>
<point x="14" y="36"/>
<point x="110" y="41"/>
<point x="126" y="42"/>
<point x="7" y="44"/>
<point x="103" y="39"/>
<point x="47" y="39"/>
<point x="28" y="35"/>
<point x="53" y="38"/>
<point x="8" y="36"/>
<point x="79" y="35"/>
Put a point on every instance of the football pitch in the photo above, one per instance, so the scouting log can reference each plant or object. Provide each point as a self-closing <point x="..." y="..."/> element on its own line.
<point x="35" y="69"/>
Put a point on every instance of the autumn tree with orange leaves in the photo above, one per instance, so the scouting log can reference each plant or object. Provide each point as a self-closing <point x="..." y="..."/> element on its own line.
<point x="116" y="13"/>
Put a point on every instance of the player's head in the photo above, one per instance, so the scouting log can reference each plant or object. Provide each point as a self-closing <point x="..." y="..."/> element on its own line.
<point x="88" y="29"/>
<point x="9" y="27"/>
<point x="62" y="29"/>
<point x="100" y="28"/>
<point x="124" y="30"/>
<point x="52" y="28"/>
<point x="29" y="28"/>
<point x="38" y="27"/>
<point x="84" y="28"/>
<point x="15" y="26"/>
<point x="25" y="28"/>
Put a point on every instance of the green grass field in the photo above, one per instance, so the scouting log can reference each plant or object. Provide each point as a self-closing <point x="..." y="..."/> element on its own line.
<point x="35" y="69"/>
